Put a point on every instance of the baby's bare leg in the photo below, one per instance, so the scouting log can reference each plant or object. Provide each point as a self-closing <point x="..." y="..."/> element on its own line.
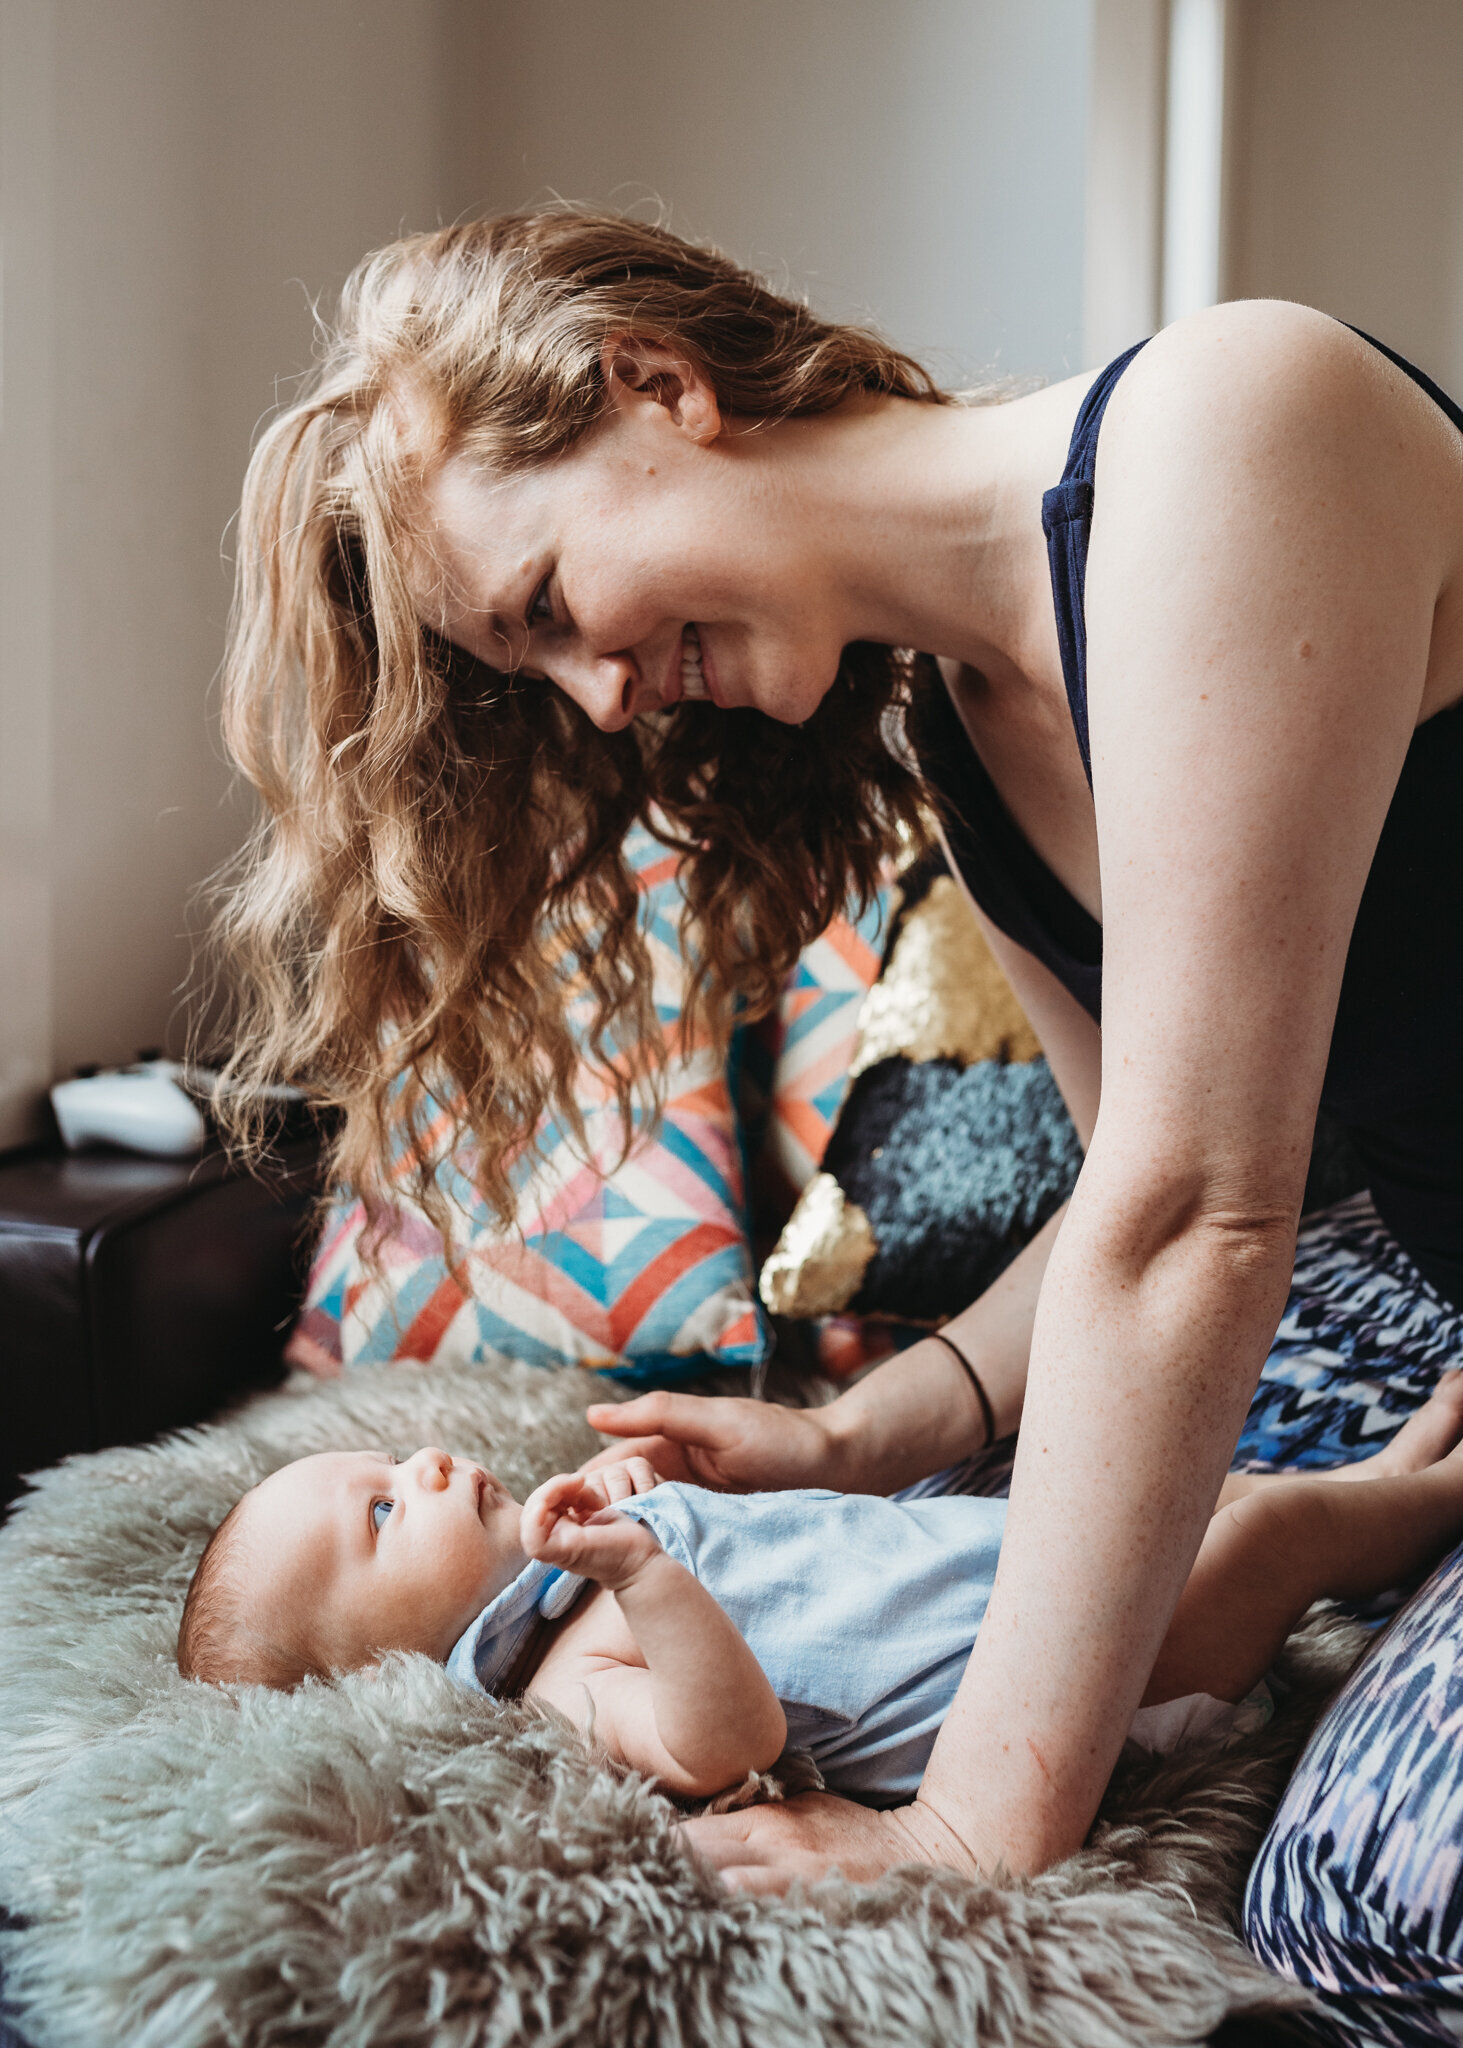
<point x="1267" y="1557"/>
<point x="1424" y="1438"/>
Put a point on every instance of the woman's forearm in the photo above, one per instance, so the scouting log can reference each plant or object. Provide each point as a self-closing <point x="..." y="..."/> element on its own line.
<point x="1141" y="1372"/>
<point x="918" y="1413"/>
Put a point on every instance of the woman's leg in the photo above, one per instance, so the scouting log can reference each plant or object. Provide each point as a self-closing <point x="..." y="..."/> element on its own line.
<point x="1357" y="1891"/>
<point x="1267" y="1557"/>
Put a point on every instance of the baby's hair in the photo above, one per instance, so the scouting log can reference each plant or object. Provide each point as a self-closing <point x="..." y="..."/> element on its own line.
<point x="219" y="1639"/>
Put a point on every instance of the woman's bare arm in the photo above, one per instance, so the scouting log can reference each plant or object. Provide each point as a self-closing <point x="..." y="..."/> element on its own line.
<point x="1278" y="523"/>
<point x="916" y="1413"/>
<point x="994" y="1332"/>
<point x="911" y="1416"/>
<point x="1261" y="587"/>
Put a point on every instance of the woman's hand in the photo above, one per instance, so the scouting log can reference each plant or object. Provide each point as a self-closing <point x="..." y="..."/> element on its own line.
<point x="733" y="1445"/>
<point x="570" y="1521"/>
<point x="766" y="1848"/>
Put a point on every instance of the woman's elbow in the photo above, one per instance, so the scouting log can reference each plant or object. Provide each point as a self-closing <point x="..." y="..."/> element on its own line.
<point x="1248" y="1238"/>
<point x="1245" y="1222"/>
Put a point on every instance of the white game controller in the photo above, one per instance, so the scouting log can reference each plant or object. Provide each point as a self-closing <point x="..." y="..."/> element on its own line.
<point x="142" y="1108"/>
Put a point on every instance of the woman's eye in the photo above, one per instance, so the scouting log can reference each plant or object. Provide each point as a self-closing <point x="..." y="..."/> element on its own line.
<point x="380" y="1515"/>
<point x="540" y="611"/>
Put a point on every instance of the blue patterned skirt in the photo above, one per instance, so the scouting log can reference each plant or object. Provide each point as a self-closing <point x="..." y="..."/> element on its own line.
<point x="1361" y="1345"/>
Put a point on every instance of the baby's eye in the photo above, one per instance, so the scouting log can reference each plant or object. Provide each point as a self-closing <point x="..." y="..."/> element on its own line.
<point x="380" y="1514"/>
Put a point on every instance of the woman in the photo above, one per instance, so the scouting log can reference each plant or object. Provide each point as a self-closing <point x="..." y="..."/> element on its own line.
<point x="576" y="518"/>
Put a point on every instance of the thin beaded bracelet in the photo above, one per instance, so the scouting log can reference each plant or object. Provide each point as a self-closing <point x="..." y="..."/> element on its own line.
<point x="987" y="1412"/>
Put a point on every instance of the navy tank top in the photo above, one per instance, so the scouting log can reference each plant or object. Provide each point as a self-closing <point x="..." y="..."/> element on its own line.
<point x="1394" y="1077"/>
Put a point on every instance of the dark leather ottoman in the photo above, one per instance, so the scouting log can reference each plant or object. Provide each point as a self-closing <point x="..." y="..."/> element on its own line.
<point x="137" y="1295"/>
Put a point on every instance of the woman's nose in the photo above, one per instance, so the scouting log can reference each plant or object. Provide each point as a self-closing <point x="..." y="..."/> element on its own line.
<point x="605" y="686"/>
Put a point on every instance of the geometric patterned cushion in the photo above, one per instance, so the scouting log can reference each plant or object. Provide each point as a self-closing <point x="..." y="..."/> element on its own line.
<point x="645" y="1272"/>
<point x="794" y="1062"/>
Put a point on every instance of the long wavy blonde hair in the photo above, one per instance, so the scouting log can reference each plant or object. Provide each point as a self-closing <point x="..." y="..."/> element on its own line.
<point x="437" y="868"/>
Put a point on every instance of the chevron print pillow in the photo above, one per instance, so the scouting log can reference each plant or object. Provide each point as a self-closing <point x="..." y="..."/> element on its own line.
<point x="646" y="1273"/>
<point x="794" y="1066"/>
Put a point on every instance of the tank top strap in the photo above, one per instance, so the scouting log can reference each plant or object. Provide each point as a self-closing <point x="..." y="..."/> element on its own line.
<point x="1066" y="519"/>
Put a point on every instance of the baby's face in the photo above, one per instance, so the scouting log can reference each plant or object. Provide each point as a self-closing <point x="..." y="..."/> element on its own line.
<point x="363" y="1554"/>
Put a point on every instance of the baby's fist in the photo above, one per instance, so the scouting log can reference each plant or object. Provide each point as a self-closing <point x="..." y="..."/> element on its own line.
<point x="568" y="1522"/>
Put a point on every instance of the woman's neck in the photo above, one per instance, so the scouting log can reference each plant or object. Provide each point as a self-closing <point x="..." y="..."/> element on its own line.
<point x="928" y="521"/>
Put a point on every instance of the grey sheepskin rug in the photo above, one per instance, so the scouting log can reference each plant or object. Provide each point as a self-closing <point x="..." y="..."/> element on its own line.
<point x="388" y="1860"/>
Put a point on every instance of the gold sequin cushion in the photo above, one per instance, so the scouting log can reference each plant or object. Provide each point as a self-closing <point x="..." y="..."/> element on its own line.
<point x="952" y="1146"/>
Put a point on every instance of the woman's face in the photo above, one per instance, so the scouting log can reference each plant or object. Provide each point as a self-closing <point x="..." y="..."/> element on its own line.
<point x="659" y="559"/>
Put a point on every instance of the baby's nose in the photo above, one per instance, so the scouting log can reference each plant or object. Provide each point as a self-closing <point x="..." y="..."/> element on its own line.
<point x="436" y="1468"/>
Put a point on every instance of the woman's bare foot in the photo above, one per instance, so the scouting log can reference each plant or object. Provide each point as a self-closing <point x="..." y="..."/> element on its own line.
<point x="1423" y="1439"/>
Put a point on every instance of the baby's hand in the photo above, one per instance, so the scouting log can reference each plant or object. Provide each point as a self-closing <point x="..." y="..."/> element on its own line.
<point x="618" y="1482"/>
<point x="570" y="1521"/>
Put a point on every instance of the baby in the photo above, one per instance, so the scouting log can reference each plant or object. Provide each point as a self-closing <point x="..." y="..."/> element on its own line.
<point x="697" y="1634"/>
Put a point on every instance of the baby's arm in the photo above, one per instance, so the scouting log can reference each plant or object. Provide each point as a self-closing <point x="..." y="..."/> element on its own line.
<point x="699" y="1713"/>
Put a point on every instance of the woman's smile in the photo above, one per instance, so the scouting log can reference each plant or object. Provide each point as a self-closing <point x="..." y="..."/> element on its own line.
<point x="692" y="678"/>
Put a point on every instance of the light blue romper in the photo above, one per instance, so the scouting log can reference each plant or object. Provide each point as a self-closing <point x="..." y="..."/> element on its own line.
<point x="861" y="1610"/>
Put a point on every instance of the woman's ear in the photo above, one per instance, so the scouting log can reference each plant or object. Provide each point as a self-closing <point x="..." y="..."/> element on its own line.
<point x="640" y="372"/>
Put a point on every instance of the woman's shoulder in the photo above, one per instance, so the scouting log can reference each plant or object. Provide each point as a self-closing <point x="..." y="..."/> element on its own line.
<point x="1264" y="382"/>
<point x="1255" y="347"/>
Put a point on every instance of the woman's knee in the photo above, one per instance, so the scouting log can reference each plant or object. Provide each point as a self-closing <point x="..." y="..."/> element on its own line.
<point x="1357" y="1891"/>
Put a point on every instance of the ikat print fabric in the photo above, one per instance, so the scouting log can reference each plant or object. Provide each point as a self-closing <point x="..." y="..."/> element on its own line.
<point x="1361" y="1345"/>
<point x="644" y="1270"/>
<point x="1358" y="1889"/>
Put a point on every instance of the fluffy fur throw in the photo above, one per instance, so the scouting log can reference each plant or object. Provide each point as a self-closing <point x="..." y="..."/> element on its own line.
<point x="390" y="1860"/>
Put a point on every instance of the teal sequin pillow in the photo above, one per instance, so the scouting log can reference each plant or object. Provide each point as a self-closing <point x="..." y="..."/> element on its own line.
<point x="953" y="1145"/>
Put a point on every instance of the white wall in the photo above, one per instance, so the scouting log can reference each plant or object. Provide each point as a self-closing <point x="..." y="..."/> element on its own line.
<point x="917" y="162"/>
<point x="1122" y="267"/>
<point x="1348" y="188"/>
<point x="177" y="175"/>
<point x="174" y="176"/>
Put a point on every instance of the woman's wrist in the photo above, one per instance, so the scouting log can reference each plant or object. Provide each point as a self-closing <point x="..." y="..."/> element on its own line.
<point x="845" y="1426"/>
<point x="885" y="1432"/>
<point x="934" y="1840"/>
<point x="913" y="1415"/>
